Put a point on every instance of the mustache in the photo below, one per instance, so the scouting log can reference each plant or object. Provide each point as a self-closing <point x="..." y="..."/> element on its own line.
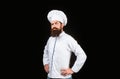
<point x="54" y="28"/>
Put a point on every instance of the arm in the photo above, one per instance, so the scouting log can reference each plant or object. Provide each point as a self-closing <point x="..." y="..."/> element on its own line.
<point x="80" y="60"/>
<point x="45" y="56"/>
<point x="80" y="55"/>
<point x="46" y="59"/>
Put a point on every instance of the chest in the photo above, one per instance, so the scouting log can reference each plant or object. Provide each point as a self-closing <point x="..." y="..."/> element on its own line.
<point x="59" y="46"/>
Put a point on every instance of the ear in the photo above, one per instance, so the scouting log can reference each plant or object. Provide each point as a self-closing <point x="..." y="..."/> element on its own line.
<point x="63" y="25"/>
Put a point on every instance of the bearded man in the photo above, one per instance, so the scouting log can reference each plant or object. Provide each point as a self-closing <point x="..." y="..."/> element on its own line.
<point x="59" y="47"/>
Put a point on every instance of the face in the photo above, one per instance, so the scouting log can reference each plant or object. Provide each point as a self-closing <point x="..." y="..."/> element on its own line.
<point x="56" y="28"/>
<point x="56" y="24"/>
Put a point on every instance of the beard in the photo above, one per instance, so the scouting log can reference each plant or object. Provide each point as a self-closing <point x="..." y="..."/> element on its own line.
<point x="55" y="32"/>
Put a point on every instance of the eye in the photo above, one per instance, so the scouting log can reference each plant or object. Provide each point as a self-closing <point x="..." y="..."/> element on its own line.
<point x="56" y="23"/>
<point x="52" y="23"/>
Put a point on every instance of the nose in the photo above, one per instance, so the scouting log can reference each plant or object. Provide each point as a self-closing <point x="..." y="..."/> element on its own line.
<point x="54" y="26"/>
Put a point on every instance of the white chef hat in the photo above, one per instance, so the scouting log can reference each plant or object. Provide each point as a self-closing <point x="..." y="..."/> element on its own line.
<point x="57" y="15"/>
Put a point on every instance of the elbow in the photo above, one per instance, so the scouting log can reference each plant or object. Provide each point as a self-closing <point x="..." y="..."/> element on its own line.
<point x="85" y="57"/>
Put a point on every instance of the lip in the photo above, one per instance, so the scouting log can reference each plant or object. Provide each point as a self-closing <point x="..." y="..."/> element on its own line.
<point x="54" y="29"/>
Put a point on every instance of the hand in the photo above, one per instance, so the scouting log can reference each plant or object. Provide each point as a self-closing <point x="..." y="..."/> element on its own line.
<point x="66" y="72"/>
<point x="46" y="67"/>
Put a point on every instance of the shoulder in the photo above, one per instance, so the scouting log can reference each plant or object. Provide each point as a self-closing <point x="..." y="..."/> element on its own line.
<point x="70" y="38"/>
<point x="49" y="39"/>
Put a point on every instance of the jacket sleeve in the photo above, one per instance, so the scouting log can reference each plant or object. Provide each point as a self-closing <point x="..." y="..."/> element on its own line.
<point x="80" y="55"/>
<point x="45" y="55"/>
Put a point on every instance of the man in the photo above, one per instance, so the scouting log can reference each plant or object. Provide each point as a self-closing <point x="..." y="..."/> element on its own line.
<point x="60" y="45"/>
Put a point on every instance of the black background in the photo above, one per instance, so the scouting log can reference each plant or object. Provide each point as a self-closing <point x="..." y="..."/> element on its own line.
<point x="78" y="20"/>
<point x="26" y="30"/>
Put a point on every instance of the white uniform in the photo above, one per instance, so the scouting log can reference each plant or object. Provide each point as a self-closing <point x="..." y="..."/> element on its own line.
<point x="57" y="54"/>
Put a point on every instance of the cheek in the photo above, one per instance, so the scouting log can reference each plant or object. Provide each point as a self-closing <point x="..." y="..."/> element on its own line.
<point x="61" y="27"/>
<point x="52" y="27"/>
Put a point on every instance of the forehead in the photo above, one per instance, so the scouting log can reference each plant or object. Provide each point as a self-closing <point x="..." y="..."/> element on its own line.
<point x="54" y="21"/>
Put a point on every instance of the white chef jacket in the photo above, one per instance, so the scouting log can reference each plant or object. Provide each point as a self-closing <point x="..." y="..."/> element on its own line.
<point x="57" y="54"/>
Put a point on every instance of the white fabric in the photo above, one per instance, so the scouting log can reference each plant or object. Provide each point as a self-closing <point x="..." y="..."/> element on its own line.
<point x="65" y="45"/>
<point x="57" y="15"/>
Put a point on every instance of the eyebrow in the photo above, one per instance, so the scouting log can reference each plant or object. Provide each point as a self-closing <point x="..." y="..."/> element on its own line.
<point x="57" y="22"/>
